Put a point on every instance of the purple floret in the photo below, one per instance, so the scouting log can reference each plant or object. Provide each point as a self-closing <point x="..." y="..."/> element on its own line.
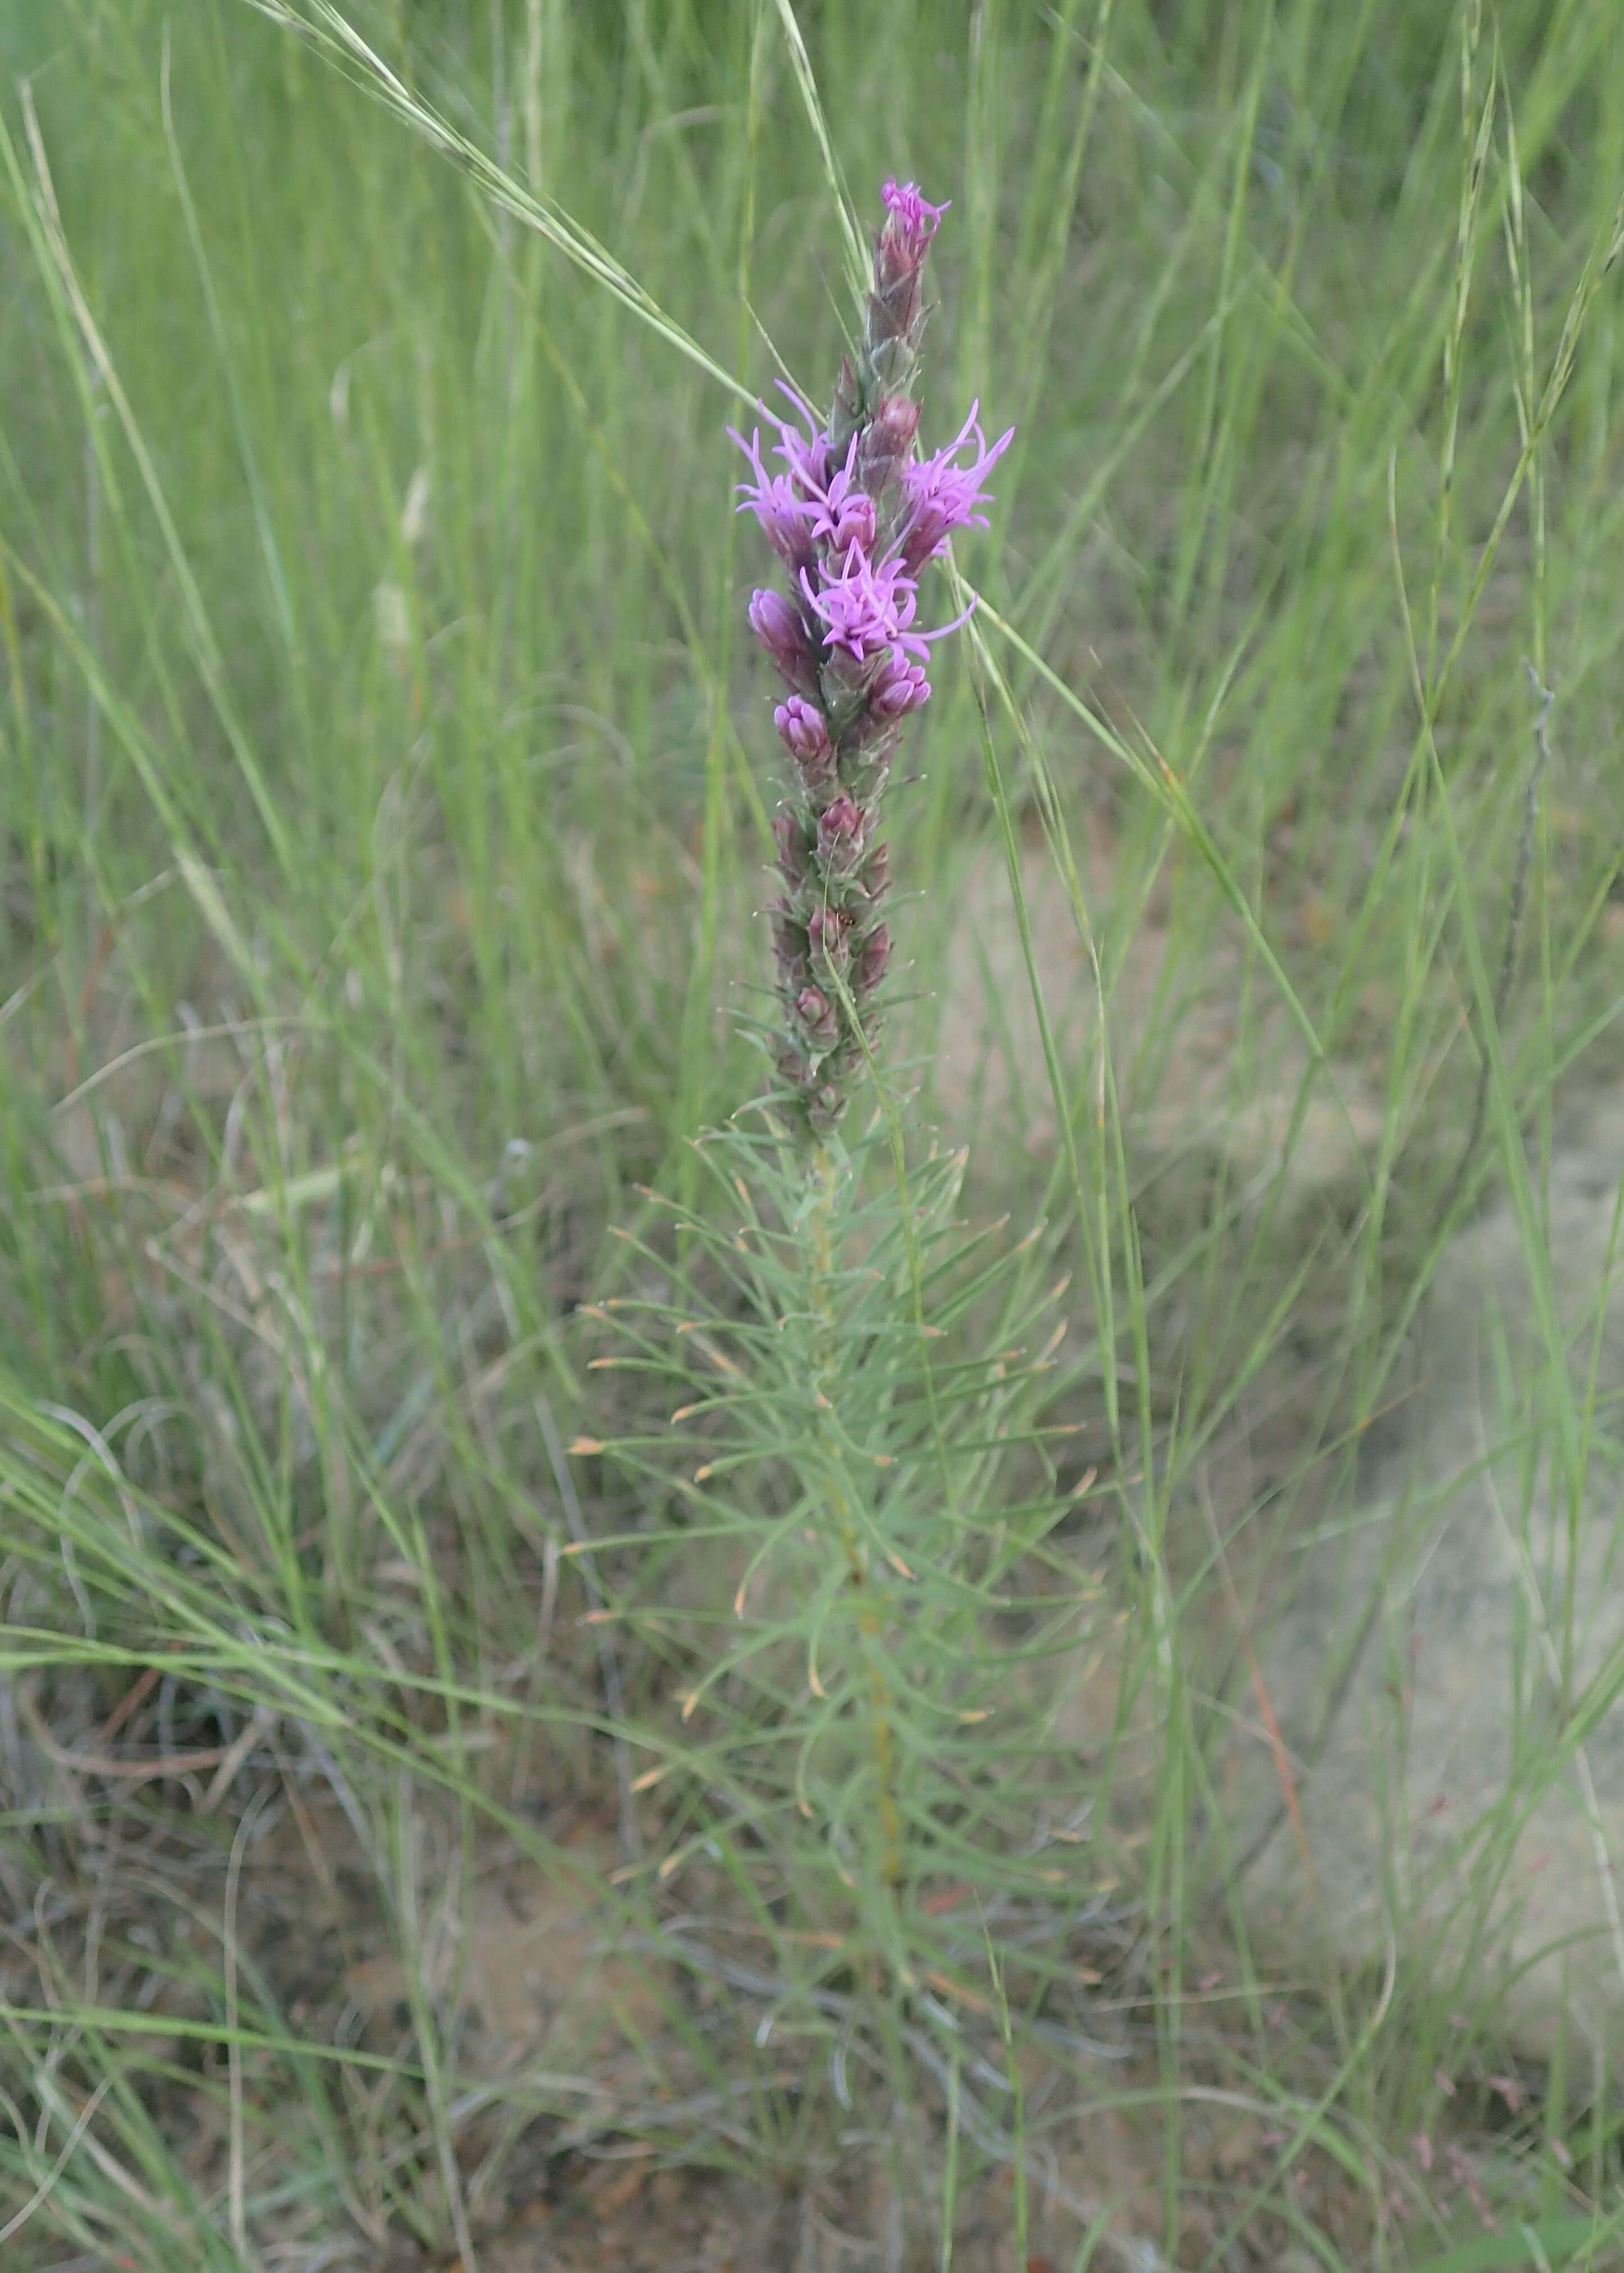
<point x="911" y="220"/>
<point x="806" y="455"/>
<point x="843" y="513"/>
<point x="868" y="607"/>
<point x="783" y="510"/>
<point x="943" y="496"/>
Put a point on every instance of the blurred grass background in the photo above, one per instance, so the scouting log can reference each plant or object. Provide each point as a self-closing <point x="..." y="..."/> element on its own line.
<point x="385" y="787"/>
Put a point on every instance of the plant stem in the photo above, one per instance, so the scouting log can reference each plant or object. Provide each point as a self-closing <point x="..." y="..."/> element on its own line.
<point x="827" y="1175"/>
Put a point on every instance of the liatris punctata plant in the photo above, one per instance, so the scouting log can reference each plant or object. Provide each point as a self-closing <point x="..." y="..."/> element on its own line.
<point x="855" y="517"/>
<point x="851" y="1449"/>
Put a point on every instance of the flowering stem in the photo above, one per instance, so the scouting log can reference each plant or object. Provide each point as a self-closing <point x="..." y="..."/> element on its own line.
<point x="856" y="519"/>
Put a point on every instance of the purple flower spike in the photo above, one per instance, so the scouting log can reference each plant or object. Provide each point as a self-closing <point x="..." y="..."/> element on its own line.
<point x="778" y="628"/>
<point x="911" y="221"/>
<point x="856" y="519"/>
<point x="943" y="496"/>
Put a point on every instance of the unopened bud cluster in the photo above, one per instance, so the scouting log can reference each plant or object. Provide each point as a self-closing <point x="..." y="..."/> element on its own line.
<point x="854" y="517"/>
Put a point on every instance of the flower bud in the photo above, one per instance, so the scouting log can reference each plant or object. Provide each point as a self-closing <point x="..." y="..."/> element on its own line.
<point x="856" y="523"/>
<point x="778" y="626"/>
<point x="892" y="321"/>
<point x="846" y="678"/>
<point x="829" y="936"/>
<point x="876" y="872"/>
<point x="894" y="314"/>
<point x="847" y="414"/>
<point x="790" y="948"/>
<point x="819" y="1017"/>
<point x="805" y="733"/>
<point x="911" y="221"/>
<point x="790" y="836"/>
<point x="825" y="1108"/>
<point x="840" y="833"/>
<point x="901" y="686"/>
<point x="802" y="725"/>
<point x="800" y="1072"/>
<point x="887" y="443"/>
<point x="872" y="961"/>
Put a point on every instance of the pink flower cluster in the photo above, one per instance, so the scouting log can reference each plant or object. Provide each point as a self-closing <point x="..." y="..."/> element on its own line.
<point x="855" y="517"/>
<point x="855" y="605"/>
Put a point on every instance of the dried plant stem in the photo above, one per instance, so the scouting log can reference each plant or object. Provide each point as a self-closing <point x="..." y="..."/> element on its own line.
<point x="827" y="1175"/>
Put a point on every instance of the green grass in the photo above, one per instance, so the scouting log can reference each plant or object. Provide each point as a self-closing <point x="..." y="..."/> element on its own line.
<point x="386" y="786"/>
